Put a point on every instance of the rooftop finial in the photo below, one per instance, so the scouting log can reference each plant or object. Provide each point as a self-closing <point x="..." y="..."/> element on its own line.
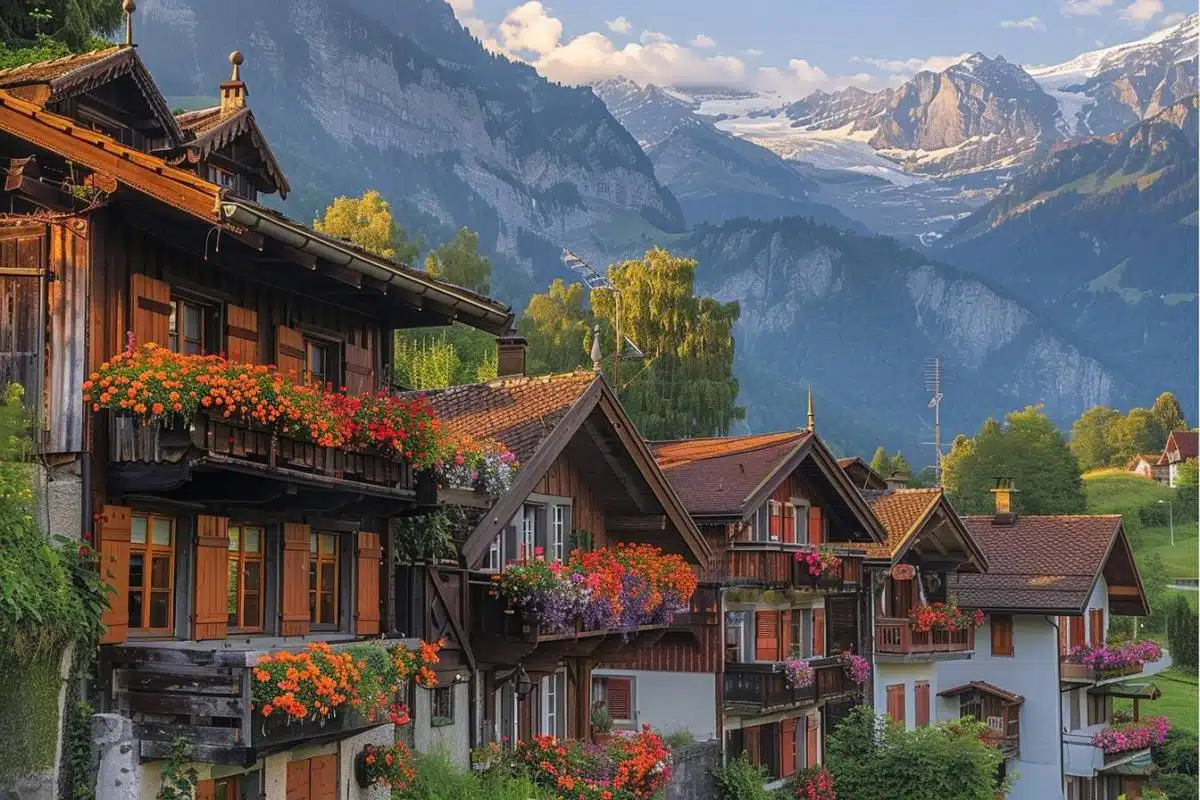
<point x="234" y="91"/>
<point x="596" y="354"/>
<point x="812" y="414"/>
<point x="129" y="7"/>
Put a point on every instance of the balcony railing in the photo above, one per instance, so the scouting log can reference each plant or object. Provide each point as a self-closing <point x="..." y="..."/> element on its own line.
<point x="896" y="637"/>
<point x="759" y="688"/>
<point x="1089" y="674"/>
<point x="204" y="698"/>
<point x="131" y="441"/>
<point x="774" y="564"/>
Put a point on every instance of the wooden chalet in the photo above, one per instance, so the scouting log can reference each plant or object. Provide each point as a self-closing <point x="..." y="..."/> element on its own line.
<point x="764" y="502"/>
<point x="587" y="480"/>
<point x="222" y="541"/>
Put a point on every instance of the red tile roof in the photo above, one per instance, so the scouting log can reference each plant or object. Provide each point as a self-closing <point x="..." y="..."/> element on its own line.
<point x="518" y="412"/>
<point x="986" y="688"/>
<point x="1186" y="442"/>
<point x="1046" y="562"/>
<point x="900" y="511"/>
<point x="715" y="476"/>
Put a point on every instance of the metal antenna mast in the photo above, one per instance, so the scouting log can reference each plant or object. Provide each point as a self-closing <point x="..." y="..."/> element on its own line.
<point x="593" y="279"/>
<point x="933" y="385"/>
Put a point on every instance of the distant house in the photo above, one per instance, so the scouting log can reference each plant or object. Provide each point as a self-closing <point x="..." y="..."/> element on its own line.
<point x="1147" y="466"/>
<point x="1181" y="446"/>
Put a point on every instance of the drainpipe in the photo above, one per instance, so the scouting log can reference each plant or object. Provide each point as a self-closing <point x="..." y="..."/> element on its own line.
<point x="1062" y="757"/>
<point x="720" y="687"/>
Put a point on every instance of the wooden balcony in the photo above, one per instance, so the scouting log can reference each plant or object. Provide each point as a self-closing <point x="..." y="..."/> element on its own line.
<point x="1083" y="673"/>
<point x="894" y="637"/>
<point x="774" y="564"/>
<point x="760" y="688"/>
<point x="152" y="454"/>
<point x="204" y="698"/>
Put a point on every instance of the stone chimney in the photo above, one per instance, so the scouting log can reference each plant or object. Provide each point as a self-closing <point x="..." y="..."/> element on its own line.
<point x="234" y="91"/>
<point x="510" y="355"/>
<point x="1004" y="511"/>
<point x="896" y="481"/>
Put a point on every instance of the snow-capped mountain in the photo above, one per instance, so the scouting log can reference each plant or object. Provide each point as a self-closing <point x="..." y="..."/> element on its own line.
<point x="648" y="112"/>
<point x="1107" y="90"/>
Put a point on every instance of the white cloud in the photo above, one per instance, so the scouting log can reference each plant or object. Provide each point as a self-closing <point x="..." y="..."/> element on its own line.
<point x="1139" y="12"/>
<point x="907" y="67"/>
<point x="1029" y="23"/>
<point x="654" y="37"/>
<point x="1084" y="8"/>
<point x="1174" y="18"/>
<point x="619" y="25"/>
<point x="529" y="28"/>
<point x="754" y="52"/>
<point x="703" y="42"/>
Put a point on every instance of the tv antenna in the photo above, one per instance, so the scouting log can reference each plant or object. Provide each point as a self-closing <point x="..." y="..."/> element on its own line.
<point x="594" y="280"/>
<point x="933" y="385"/>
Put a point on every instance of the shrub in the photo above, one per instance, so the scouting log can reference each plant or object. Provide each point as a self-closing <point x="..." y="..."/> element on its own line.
<point x="1175" y="785"/>
<point x="438" y="779"/>
<point x="1177" y="753"/>
<point x="738" y="779"/>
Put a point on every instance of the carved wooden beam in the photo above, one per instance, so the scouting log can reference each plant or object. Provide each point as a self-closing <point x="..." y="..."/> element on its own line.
<point x="25" y="178"/>
<point x="648" y="523"/>
<point x="1123" y="591"/>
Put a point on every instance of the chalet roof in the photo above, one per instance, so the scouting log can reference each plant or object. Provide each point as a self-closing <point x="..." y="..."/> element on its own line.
<point x="518" y="412"/>
<point x="1187" y="443"/>
<point x="210" y="130"/>
<point x="51" y="81"/>
<point x="985" y="688"/>
<point x="536" y="418"/>
<point x="861" y="474"/>
<point x="717" y="475"/>
<point x="1050" y="564"/>
<point x="906" y="514"/>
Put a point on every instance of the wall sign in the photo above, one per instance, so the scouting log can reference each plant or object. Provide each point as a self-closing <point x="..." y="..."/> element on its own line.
<point x="904" y="572"/>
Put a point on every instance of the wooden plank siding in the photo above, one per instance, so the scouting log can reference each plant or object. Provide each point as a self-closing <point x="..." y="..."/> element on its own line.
<point x="563" y="479"/>
<point x="66" y="370"/>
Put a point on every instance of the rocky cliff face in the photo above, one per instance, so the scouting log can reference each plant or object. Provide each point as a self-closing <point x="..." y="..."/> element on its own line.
<point x="397" y="96"/>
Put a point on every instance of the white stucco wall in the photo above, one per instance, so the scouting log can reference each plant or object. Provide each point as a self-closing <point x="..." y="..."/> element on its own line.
<point x="673" y="701"/>
<point x="452" y="740"/>
<point x="1032" y="672"/>
<point x="1080" y="758"/>
<point x="910" y="674"/>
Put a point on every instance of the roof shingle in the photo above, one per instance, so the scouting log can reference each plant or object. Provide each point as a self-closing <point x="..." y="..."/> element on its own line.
<point x="899" y="510"/>
<point x="58" y="69"/>
<point x="715" y="476"/>
<point x="1038" y="562"/>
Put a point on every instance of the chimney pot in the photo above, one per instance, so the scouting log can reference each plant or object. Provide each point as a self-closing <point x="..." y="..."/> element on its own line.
<point x="510" y="355"/>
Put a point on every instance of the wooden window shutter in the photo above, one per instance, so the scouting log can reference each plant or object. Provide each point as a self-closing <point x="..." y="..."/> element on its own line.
<point x="296" y="557"/>
<point x="1078" y="634"/>
<point x="766" y="637"/>
<point x="1063" y="632"/>
<point x="775" y="527"/>
<point x="206" y="790"/>
<point x="360" y="370"/>
<point x="370" y="552"/>
<point x="815" y="528"/>
<point x="895" y="702"/>
<point x="299" y="784"/>
<point x="289" y="352"/>
<point x="787" y="747"/>
<point x="620" y="698"/>
<point x="811" y="739"/>
<point x="785" y="635"/>
<point x="1002" y="634"/>
<point x="754" y="744"/>
<point x="241" y="334"/>
<point x="818" y="643"/>
<point x="921" y="701"/>
<point x="114" y="570"/>
<point x="1096" y="623"/>
<point x="151" y="310"/>
<point x="323" y="780"/>
<point x="212" y="577"/>
<point x="789" y="523"/>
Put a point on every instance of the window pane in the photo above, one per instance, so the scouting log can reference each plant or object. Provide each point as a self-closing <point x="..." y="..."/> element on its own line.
<point x="252" y="576"/>
<point x="250" y="616"/>
<point x="160" y="572"/>
<point x="312" y="543"/>
<point x="327" y="570"/>
<point x="160" y="533"/>
<point x="231" y="595"/>
<point x="312" y="592"/>
<point x="160" y="603"/>
<point x="135" y="608"/>
<point x="253" y="538"/>
<point x="137" y="570"/>
<point x="137" y="530"/>
<point x="327" y="543"/>
<point x="193" y="322"/>
<point x="173" y="320"/>
<point x="235" y="536"/>
<point x="191" y="348"/>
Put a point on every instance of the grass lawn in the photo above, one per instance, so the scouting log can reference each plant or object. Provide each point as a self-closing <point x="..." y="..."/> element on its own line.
<point x="1119" y="492"/>
<point x="1178" y="701"/>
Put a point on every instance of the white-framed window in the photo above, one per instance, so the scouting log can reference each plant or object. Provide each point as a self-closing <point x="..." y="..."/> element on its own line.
<point x="495" y="555"/>
<point x="616" y="693"/>
<point x="558" y="533"/>
<point x="553" y="720"/>
<point x="798" y="509"/>
<point x="735" y="638"/>
<point x="528" y="532"/>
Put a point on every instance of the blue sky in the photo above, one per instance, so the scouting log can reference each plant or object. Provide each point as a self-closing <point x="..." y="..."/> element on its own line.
<point x="799" y="45"/>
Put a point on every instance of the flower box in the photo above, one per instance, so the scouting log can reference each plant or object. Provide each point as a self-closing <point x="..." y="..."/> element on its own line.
<point x="1120" y="739"/>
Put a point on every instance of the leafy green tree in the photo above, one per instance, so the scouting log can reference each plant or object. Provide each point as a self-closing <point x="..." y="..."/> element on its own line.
<point x="900" y="467"/>
<point x="70" y="23"/>
<point x="367" y="222"/>
<point x="685" y="385"/>
<point x="881" y="462"/>
<point x="1140" y="432"/>
<point x="1028" y="449"/>
<point x="1093" y="437"/>
<point x="1167" y="411"/>
<point x="459" y="261"/>
<point x="558" y="327"/>
<point x="873" y="758"/>
<point x="925" y="479"/>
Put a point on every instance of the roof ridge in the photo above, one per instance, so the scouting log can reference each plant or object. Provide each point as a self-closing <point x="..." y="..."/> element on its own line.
<point x="796" y="432"/>
<point x="110" y="50"/>
<point x="516" y="380"/>
<point x="1047" y="516"/>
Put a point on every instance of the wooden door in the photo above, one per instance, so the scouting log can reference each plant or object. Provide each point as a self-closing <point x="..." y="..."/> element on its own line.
<point x="312" y="778"/>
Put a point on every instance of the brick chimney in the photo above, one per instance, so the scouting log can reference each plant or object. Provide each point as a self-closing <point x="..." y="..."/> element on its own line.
<point x="1004" y="511"/>
<point x="510" y="355"/>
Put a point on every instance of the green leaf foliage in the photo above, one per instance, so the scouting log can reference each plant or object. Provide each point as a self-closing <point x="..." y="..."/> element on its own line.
<point x="1182" y="624"/>
<point x="73" y="23"/>
<point x="558" y="327"/>
<point x="1167" y="411"/>
<point x="738" y="779"/>
<point x="459" y="261"/>
<point x="930" y="763"/>
<point x="1027" y="448"/>
<point x="1092" y="437"/>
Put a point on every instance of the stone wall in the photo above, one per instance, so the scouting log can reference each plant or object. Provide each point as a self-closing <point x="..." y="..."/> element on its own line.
<point x="692" y="772"/>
